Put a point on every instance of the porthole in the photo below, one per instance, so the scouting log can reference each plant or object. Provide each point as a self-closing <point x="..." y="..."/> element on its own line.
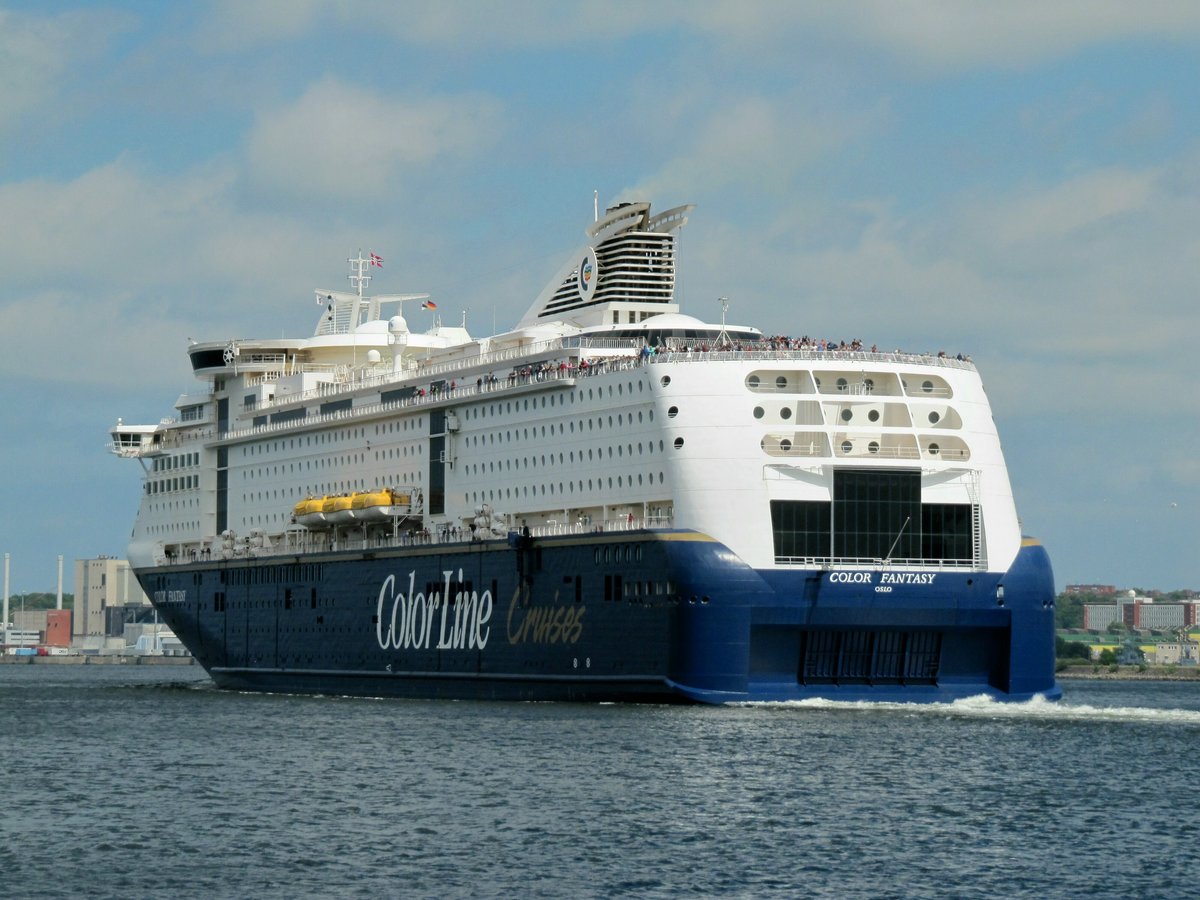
<point x="933" y="418"/>
<point x="781" y="382"/>
<point x="842" y="384"/>
<point x="785" y="412"/>
<point x="753" y="382"/>
<point x="873" y="415"/>
<point x="868" y="384"/>
<point x="933" y="449"/>
<point x="678" y="443"/>
<point x="759" y="412"/>
<point x="672" y="412"/>
<point x="847" y="446"/>
<point x="873" y="447"/>
<point x="665" y="380"/>
<point x="847" y="415"/>
<point x="927" y="386"/>
<point x="785" y="445"/>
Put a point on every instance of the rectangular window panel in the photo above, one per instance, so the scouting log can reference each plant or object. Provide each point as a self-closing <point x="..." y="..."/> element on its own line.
<point x="800" y="528"/>
<point x="946" y="531"/>
<point x="877" y="515"/>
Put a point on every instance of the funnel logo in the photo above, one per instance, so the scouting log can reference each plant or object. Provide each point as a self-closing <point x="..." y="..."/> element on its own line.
<point x="589" y="272"/>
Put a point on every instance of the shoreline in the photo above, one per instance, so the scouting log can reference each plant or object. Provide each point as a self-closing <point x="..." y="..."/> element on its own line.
<point x="93" y="660"/>
<point x="1095" y="672"/>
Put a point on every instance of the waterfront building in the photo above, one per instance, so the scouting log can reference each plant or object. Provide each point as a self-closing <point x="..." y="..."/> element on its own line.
<point x="1098" y="616"/>
<point x="1140" y="613"/>
<point x="1176" y="653"/>
<point x="53" y="626"/>
<point x="102" y="583"/>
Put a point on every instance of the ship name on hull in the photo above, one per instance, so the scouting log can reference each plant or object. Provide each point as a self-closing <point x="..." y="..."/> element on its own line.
<point x="543" y="624"/>
<point x="407" y="621"/>
<point x="884" y="577"/>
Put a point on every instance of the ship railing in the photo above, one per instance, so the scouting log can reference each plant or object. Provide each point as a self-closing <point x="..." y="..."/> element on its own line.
<point x="418" y="370"/>
<point x="590" y="526"/>
<point x="297" y="541"/>
<point x="919" y="359"/>
<point x="875" y="563"/>
<point x="167" y="440"/>
<point x="371" y="375"/>
<point x="438" y="396"/>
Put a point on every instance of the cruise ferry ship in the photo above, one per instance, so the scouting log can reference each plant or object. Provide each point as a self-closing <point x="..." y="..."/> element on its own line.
<point x="612" y="501"/>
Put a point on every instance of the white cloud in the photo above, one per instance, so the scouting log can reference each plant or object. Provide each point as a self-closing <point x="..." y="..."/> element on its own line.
<point x="341" y="141"/>
<point x="950" y="34"/>
<point x="752" y="143"/>
<point x="233" y="25"/>
<point x="922" y="33"/>
<point x="1087" y="201"/>
<point x="37" y="52"/>
<point x="138" y="264"/>
<point x="97" y="338"/>
<point x="111" y="223"/>
<point x="461" y="25"/>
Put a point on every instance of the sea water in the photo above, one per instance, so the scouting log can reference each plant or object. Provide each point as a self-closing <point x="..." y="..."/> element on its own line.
<point x="149" y="782"/>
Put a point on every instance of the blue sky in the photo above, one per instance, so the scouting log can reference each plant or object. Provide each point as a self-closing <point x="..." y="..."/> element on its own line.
<point x="1017" y="181"/>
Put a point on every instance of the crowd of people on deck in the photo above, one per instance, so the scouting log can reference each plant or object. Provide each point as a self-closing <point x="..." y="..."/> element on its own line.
<point x="571" y="367"/>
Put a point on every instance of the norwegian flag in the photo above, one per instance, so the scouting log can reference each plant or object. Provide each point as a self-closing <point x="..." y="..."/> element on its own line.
<point x="376" y="260"/>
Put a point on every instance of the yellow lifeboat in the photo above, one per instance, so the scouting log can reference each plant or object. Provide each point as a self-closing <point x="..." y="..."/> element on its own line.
<point x="380" y="504"/>
<point x="337" y="509"/>
<point x="310" y="512"/>
<point x="366" y="499"/>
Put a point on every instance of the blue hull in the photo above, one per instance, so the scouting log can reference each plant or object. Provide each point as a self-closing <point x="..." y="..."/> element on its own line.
<point x="654" y="616"/>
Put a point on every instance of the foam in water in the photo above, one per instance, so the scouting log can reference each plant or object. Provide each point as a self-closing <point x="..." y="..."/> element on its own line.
<point x="983" y="706"/>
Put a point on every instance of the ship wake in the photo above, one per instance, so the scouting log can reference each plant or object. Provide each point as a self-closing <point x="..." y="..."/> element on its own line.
<point x="985" y="707"/>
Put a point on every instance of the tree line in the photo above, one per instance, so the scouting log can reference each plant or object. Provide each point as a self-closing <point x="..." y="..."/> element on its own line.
<point x="38" y="600"/>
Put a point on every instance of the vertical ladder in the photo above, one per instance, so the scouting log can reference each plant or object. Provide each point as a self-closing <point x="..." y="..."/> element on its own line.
<point x="978" y="557"/>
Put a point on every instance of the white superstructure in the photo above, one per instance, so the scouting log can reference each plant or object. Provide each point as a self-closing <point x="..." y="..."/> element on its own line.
<point x="605" y="408"/>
